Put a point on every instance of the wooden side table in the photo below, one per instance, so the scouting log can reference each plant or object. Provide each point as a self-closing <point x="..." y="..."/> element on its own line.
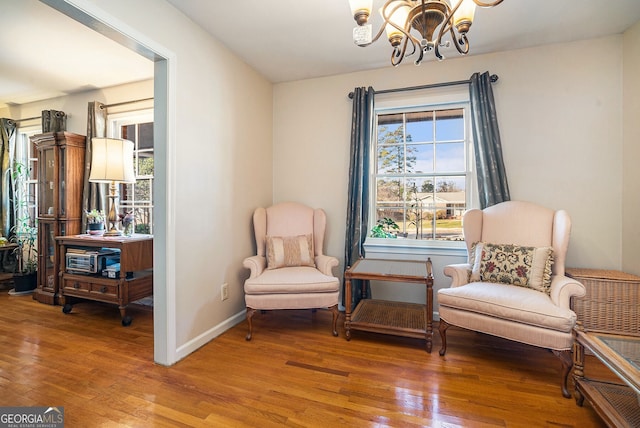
<point x="395" y="318"/>
<point x="135" y="280"/>
<point x="617" y="404"/>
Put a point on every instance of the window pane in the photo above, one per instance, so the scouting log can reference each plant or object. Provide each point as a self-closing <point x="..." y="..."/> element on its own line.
<point x="420" y="127"/>
<point x="129" y="132"/>
<point x="145" y="164"/>
<point x="391" y="159"/>
<point x="450" y="157"/>
<point x="419" y="199"/>
<point x="419" y="158"/>
<point x="394" y="213"/>
<point x="143" y="191"/>
<point x="450" y="205"/>
<point x="390" y="129"/>
<point x="449" y="125"/>
<point x="389" y="190"/>
<point x="145" y="139"/>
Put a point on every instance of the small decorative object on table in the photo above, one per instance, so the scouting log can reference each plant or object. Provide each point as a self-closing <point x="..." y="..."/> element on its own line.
<point x="127" y="224"/>
<point x="95" y="222"/>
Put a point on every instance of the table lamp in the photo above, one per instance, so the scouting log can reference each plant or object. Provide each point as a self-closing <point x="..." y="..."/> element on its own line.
<point x="112" y="162"/>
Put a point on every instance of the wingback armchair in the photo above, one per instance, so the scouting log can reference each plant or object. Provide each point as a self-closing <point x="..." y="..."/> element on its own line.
<point x="290" y="270"/>
<point x="514" y="284"/>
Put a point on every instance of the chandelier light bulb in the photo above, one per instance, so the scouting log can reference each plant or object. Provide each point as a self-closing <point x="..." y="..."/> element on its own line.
<point x="463" y="16"/>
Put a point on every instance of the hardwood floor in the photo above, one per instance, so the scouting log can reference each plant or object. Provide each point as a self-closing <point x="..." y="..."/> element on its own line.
<point x="293" y="373"/>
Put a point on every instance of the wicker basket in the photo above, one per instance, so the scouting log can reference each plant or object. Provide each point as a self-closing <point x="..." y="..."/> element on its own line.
<point x="611" y="302"/>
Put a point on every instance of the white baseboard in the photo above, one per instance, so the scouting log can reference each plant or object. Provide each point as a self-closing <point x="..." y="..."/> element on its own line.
<point x="206" y="337"/>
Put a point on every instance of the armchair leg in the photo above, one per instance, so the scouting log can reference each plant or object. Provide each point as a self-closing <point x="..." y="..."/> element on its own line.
<point x="250" y="312"/>
<point x="442" y="328"/>
<point x="335" y="312"/>
<point x="567" y="364"/>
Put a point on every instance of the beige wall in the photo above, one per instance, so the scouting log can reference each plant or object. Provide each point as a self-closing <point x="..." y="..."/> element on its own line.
<point x="75" y="106"/>
<point x="221" y="128"/>
<point x="559" y="109"/>
<point x="631" y="152"/>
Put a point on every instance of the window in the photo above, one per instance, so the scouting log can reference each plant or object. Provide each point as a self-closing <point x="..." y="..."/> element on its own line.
<point x="422" y="171"/>
<point x="27" y="155"/>
<point x="137" y="197"/>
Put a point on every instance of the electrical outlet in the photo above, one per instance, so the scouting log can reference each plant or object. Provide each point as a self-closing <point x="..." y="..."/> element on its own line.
<point x="224" y="291"/>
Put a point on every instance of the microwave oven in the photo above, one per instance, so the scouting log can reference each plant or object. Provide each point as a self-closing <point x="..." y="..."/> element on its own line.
<point x="90" y="262"/>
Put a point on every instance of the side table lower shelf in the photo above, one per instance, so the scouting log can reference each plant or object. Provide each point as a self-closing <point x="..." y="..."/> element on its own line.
<point x="397" y="318"/>
<point x="389" y="317"/>
<point x="617" y="404"/>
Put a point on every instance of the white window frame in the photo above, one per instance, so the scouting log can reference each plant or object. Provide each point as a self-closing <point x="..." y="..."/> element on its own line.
<point x="440" y="98"/>
<point x="22" y="146"/>
<point x="115" y="122"/>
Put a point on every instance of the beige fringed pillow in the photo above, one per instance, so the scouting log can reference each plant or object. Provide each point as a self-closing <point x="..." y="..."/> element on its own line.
<point x="289" y="251"/>
<point x="512" y="264"/>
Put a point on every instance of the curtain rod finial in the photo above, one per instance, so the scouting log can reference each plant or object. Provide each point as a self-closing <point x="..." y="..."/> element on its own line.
<point x="494" y="78"/>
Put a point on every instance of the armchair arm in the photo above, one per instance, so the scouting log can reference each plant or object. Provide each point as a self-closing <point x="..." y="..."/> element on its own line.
<point x="563" y="288"/>
<point x="257" y="264"/>
<point x="459" y="273"/>
<point x="326" y="263"/>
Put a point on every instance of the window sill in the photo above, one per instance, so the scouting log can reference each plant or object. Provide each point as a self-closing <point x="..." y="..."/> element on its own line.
<point x="408" y="248"/>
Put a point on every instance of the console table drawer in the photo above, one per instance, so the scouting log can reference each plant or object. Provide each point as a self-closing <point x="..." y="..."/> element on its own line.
<point x="75" y="285"/>
<point x="105" y="289"/>
<point x="88" y="289"/>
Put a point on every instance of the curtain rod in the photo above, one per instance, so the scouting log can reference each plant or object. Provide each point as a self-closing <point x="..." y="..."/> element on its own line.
<point x="103" y="106"/>
<point x="494" y="78"/>
<point x="27" y="118"/>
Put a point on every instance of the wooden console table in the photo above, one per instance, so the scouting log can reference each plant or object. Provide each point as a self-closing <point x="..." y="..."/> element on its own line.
<point x="395" y="318"/>
<point x="135" y="280"/>
<point x="617" y="404"/>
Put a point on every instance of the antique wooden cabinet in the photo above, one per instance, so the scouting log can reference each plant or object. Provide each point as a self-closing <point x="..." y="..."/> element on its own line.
<point x="61" y="166"/>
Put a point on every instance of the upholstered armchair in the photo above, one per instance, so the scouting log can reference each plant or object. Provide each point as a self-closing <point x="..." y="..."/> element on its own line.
<point x="514" y="284"/>
<point x="290" y="270"/>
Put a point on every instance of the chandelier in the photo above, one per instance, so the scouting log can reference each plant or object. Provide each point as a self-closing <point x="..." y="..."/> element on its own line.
<point x="429" y="20"/>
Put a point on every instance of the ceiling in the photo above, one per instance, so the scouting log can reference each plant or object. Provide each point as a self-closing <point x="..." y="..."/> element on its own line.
<point x="51" y="55"/>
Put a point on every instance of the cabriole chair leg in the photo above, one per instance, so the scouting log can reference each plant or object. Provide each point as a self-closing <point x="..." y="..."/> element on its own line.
<point x="250" y="312"/>
<point x="334" y="310"/>
<point x="442" y="328"/>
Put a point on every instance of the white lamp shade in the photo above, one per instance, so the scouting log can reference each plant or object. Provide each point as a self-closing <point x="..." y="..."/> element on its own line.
<point x="111" y="160"/>
<point x="465" y="12"/>
<point x="357" y="5"/>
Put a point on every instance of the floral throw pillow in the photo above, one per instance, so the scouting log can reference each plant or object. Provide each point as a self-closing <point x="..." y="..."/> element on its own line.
<point x="289" y="251"/>
<point x="512" y="264"/>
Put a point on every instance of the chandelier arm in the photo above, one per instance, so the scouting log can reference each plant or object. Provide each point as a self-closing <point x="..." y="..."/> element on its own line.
<point x="487" y="4"/>
<point x="446" y="26"/>
<point x="418" y="60"/>
<point x="400" y="52"/>
<point x="380" y="31"/>
<point x="463" y="41"/>
<point x="387" y="18"/>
